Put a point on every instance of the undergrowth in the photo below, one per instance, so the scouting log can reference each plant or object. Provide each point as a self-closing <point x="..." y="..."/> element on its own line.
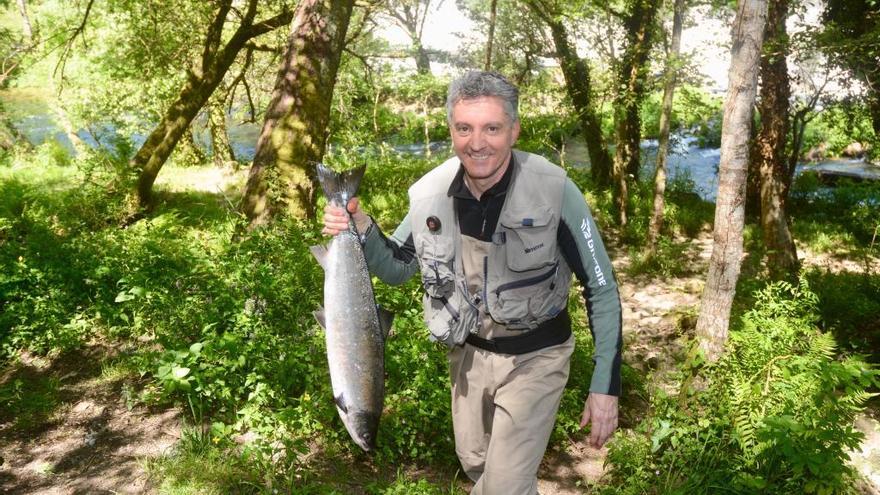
<point x="775" y="413"/>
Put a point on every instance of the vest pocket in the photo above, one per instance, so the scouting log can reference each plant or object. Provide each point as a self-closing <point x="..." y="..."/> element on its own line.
<point x="530" y="238"/>
<point x="449" y="320"/>
<point x="436" y="255"/>
<point x="524" y="302"/>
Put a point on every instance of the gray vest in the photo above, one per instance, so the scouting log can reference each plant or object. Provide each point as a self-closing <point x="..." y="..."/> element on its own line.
<point x="526" y="278"/>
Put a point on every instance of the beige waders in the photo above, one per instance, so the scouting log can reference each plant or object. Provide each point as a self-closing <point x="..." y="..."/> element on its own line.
<point x="503" y="406"/>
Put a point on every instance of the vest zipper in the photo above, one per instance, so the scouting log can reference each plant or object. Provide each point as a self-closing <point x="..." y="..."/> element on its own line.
<point x="517" y="284"/>
<point x="449" y="308"/>
<point x="485" y="281"/>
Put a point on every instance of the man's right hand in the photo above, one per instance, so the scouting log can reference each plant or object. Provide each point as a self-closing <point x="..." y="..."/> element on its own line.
<point x="336" y="218"/>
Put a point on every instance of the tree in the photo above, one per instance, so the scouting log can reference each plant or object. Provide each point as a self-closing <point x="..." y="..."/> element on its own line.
<point x="577" y="83"/>
<point x="490" y="39"/>
<point x="631" y="88"/>
<point x="727" y="249"/>
<point x="671" y="78"/>
<point x="25" y="20"/>
<point x="282" y="177"/>
<point x="769" y="148"/>
<point x="514" y="51"/>
<point x="200" y="85"/>
<point x="411" y="16"/>
<point x="852" y="41"/>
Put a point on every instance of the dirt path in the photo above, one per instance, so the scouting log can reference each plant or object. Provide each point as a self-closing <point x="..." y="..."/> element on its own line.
<point x="76" y="434"/>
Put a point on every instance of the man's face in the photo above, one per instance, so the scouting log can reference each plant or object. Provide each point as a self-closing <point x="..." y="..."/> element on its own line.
<point x="482" y="136"/>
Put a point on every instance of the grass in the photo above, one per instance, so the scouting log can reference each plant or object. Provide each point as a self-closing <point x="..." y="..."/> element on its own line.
<point x="28" y="398"/>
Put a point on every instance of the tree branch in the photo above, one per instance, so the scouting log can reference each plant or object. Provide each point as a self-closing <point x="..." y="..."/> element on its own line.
<point x="62" y="61"/>
<point x="284" y="18"/>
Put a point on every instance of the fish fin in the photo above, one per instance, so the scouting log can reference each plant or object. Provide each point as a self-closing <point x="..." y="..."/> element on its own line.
<point x="340" y="403"/>
<point x="386" y="318"/>
<point x="319" y="251"/>
<point x="339" y="187"/>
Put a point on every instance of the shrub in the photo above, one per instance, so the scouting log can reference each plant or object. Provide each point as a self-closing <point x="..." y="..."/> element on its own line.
<point x="776" y="415"/>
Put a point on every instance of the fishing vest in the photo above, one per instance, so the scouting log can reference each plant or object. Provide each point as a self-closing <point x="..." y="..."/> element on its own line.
<point x="526" y="280"/>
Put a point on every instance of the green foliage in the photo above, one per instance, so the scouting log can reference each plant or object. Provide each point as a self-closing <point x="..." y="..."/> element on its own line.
<point x="837" y="126"/>
<point x="670" y="259"/>
<point x="402" y="110"/>
<point x="850" y="308"/>
<point x="849" y="210"/>
<point x="776" y="417"/>
<point x="693" y="110"/>
<point x="27" y="400"/>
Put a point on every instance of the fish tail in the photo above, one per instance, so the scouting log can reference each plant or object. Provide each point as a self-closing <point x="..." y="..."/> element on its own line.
<point x="339" y="187"/>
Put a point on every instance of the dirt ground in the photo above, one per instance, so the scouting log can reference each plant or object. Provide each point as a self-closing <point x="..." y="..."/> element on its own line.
<point x="86" y="440"/>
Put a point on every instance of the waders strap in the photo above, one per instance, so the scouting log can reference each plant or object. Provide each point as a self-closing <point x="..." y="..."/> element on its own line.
<point x="551" y="332"/>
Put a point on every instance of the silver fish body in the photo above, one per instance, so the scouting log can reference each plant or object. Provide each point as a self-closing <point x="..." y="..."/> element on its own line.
<point x="355" y="333"/>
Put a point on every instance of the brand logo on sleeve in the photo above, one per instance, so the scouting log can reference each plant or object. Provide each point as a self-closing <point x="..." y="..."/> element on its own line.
<point x="587" y="231"/>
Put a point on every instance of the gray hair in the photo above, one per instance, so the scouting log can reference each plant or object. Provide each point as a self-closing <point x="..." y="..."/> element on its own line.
<point x="478" y="83"/>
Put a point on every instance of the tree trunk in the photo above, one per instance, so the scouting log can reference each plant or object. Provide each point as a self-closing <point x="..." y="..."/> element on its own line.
<point x="188" y="152"/>
<point x="782" y="259"/>
<point x="727" y="250"/>
<point x="423" y="63"/>
<point x="631" y="92"/>
<point x="672" y="67"/>
<point x="493" y="11"/>
<point x="294" y="134"/>
<point x="25" y="20"/>
<point x="577" y="83"/>
<point x="198" y="88"/>
<point x="221" y="151"/>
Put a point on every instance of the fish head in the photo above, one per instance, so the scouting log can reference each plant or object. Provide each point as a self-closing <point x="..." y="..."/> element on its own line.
<point x="363" y="427"/>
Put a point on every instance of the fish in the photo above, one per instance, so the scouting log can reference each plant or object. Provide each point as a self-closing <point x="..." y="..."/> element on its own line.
<point x="355" y="327"/>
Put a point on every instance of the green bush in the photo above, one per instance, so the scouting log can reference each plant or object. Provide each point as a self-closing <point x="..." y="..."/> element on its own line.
<point x="849" y="208"/>
<point x="776" y="415"/>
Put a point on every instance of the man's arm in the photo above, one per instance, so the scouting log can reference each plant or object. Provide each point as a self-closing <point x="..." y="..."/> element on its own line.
<point x="585" y="253"/>
<point x="391" y="259"/>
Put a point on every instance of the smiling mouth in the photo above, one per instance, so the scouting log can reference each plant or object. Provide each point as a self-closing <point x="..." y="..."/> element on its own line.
<point x="480" y="157"/>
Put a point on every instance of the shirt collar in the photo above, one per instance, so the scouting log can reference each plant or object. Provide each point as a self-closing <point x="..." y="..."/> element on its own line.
<point x="458" y="189"/>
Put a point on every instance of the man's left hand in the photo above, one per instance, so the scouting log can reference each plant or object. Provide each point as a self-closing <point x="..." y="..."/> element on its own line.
<point x="601" y="410"/>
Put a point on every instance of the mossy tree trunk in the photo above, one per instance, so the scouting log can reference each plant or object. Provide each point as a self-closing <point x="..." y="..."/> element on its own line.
<point x="200" y="84"/>
<point x="221" y="150"/>
<point x="671" y="76"/>
<point x="727" y="249"/>
<point x="577" y="84"/>
<point x="770" y="144"/>
<point x="631" y="85"/>
<point x="294" y="134"/>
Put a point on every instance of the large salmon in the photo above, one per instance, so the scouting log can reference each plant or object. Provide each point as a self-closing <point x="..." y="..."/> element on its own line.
<point x="355" y="327"/>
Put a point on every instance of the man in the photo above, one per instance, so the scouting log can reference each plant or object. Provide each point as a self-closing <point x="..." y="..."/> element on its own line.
<point x="496" y="234"/>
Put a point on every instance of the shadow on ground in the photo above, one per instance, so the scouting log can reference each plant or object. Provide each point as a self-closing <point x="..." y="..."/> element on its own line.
<point x="66" y="428"/>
